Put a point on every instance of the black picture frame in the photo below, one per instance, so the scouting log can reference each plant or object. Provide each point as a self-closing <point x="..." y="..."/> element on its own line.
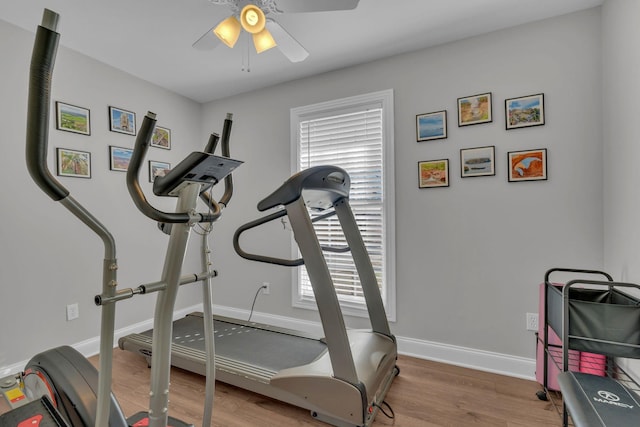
<point x="478" y="161"/>
<point x="71" y="118"/>
<point x="431" y="126"/>
<point x="433" y="173"/>
<point x="475" y="109"/>
<point x="73" y="163"/>
<point x="156" y="168"/>
<point x="122" y="121"/>
<point x="524" y="111"/>
<point x="527" y="165"/>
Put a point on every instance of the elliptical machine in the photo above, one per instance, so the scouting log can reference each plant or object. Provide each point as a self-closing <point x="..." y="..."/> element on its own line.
<point x="60" y="386"/>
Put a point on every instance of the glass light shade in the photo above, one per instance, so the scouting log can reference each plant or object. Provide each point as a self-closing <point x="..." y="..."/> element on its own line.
<point x="228" y="31"/>
<point x="263" y="41"/>
<point x="252" y="19"/>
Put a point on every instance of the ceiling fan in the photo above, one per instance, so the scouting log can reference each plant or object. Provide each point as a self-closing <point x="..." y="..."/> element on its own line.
<point x="256" y="18"/>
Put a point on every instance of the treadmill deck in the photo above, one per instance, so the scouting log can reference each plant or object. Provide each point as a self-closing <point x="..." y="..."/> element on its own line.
<point x="250" y="343"/>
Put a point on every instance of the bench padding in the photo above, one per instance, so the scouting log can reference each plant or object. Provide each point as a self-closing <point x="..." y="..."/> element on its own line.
<point x="593" y="400"/>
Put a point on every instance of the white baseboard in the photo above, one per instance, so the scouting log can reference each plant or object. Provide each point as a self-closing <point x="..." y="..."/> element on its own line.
<point x="504" y="364"/>
<point x="91" y="346"/>
<point x="482" y="360"/>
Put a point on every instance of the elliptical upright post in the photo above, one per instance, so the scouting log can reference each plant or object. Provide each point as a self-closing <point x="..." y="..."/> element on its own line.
<point x="90" y="402"/>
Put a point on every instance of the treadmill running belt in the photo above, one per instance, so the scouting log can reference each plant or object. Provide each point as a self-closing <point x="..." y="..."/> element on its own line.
<point x="259" y="347"/>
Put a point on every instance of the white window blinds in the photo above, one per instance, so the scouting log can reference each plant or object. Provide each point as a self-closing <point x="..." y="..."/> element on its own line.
<point x="350" y="136"/>
<point x="352" y="141"/>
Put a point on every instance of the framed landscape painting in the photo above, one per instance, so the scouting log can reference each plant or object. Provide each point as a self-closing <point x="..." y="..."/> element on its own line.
<point x="72" y="118"/>
<point x="433" y="173"/>
<point x="530" y="165"/>
<point x="157" y="169"/>
<point x="161" y="138"/>
<point x="479" y="161"/>
<point x="475" y="109"/>
<point x="119" y="158"/>
<point x="431" y="126"/>
<point x="73" y="163"/>
<point x="524" y="111"/>
<point x="122" y="121"/>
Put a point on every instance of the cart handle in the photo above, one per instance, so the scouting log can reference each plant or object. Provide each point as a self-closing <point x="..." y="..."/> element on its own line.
<point x="610" y="284"/>
<point x="576" y="270"/>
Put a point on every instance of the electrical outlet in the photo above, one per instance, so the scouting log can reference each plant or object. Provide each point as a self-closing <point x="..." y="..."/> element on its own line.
<point x="532" y="321"/>
<point x="266" y="288"/>
<point x="73" y="312"/>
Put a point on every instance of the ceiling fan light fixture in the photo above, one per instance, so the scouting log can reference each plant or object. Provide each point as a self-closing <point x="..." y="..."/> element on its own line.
<point x="228" y="31"/>
<point x="252" y="19"/>
<point x="263" y="41"/>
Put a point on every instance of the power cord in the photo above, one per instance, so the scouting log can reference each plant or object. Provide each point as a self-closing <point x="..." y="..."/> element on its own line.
<point x="381" y="409"/>
<point x="254" y="301"/>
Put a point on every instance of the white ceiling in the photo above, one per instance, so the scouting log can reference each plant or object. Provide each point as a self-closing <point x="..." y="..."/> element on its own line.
<point x="152" y="39"/>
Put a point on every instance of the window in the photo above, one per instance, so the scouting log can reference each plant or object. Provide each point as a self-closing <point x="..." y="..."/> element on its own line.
<point x="355" y="134"/>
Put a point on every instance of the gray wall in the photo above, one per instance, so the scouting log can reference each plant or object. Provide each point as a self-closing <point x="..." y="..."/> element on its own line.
<point x="620" y="127"/>
<point x="621" y="68"/>
<point x="49" y="259"/>
<point x="469" y="257"/>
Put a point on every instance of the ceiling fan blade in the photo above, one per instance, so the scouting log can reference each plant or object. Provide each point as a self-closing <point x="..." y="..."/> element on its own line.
<point x="301" y="6"/>
<point x="289" y="46"/>
<point x="208" y="40"/>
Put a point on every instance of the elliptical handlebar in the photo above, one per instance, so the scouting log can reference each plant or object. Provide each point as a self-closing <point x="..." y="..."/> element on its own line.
<point x="42" y="62"/>
<point x="211" y="148"/>
<point x="228" y="180"/>
<point x="135" y="191"/>
<point x="133" y="184"/>
<point x="37" y="136"/>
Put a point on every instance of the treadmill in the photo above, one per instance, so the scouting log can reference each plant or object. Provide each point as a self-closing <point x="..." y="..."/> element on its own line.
<point x="343" y="378"/>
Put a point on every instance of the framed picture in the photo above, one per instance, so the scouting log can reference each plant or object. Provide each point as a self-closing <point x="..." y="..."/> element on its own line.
<point x="524" y="111"/>
<point x="122" y="121"/>
<point x="475" y="109"/>
<point x="119" y="158"/>
<point x="73" y="163"/>
<point x="157" y="169"/>
<point x="72" y="118"/>
<point x="431" y="126"/>
<point x="161" y="138"/>
<point x="478" y="161"/>
<point x="433" y="173"/>
<point x="528" y="165"/>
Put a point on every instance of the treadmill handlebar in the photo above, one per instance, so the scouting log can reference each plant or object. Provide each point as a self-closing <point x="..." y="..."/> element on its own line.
<point x="41" y="70"/>
<point x="263" y="258"/>
<point x="326" y="185"/>
<point x="279" y="261"/>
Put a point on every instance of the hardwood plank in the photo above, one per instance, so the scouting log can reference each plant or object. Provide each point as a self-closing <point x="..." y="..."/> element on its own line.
<point x="424" y="394"/>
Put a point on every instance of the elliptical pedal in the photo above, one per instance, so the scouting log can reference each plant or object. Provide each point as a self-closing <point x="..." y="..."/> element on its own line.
<point x="38" y="413"/>
<point x="141" y="419"/>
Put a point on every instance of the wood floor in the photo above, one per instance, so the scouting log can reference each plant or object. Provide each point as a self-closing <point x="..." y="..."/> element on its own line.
<point x="424" y="394"/>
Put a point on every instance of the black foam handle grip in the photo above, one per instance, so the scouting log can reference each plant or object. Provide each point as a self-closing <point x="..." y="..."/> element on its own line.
<point x="228" y="180"/>
<point x="133" y="185"/>
<point x="42" y="62"/>
<point x="263" y="258"/>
